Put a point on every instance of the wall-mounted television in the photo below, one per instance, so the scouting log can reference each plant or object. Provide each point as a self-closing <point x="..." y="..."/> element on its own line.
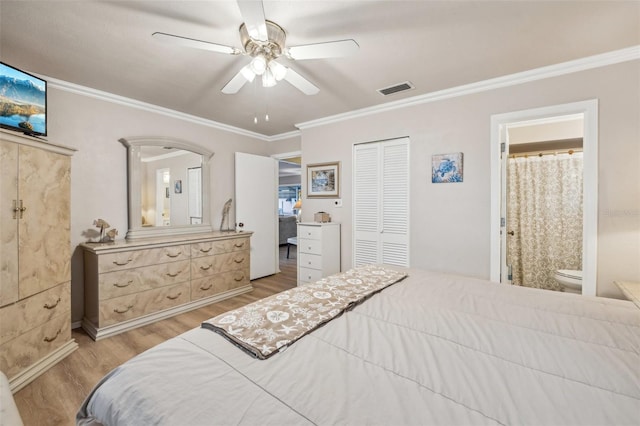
<point x="23" y="101"/>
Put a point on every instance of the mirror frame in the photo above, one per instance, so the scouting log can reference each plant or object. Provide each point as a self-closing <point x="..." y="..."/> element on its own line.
<point x="134" y="182"/>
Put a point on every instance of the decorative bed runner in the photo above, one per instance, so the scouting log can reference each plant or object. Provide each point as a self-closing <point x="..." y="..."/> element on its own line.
<point x="267" y="326"/>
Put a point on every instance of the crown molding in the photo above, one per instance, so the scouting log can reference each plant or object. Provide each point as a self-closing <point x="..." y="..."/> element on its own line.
<point x="132" y="103"/>
<point x="563" y="68"/>
<point x="590" y="62"/>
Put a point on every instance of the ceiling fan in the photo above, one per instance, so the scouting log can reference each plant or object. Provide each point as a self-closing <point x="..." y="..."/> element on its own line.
<point x="264" y="42"/>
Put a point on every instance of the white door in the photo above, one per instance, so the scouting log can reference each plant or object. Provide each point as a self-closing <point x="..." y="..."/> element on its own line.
<point x="256" y="209"/>
<point x="381" y="203"/>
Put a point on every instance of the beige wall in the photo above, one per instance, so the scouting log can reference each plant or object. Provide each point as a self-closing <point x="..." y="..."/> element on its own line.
<point x="99" y="168"/>
<point x="450" y="222"/>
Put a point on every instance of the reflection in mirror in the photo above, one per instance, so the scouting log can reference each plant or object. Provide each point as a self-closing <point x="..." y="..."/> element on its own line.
<point x="168" y="187"/>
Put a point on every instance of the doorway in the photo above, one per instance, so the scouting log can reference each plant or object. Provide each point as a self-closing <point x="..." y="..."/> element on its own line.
<point x="289" y="207"/>
<point x="500" y="125"/>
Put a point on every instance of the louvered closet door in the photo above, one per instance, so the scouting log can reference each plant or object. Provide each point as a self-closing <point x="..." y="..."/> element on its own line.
<point x="381" y="203"/>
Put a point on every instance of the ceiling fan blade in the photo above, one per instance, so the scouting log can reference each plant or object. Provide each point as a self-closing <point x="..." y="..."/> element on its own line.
<point x="197" y="44"/>
<point x="252" y="12"/>
<point x="235" y="84"/>
<point x="331" y="49"/>
<point x="300" y="83"/>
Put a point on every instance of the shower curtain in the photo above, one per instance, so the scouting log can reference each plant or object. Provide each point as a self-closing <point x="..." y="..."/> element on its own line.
<point x="544" y="211"/>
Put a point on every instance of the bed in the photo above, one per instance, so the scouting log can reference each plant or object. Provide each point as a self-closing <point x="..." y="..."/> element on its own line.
<point x="430" y="349"/>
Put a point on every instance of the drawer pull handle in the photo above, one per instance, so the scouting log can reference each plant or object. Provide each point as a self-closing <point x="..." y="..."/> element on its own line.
<point x="239" y="261"/>
<point x="122" y="263"/>
<point x="309" y="262"/>
<point x="206" y="288"/>
<point x="47" y="306"/>
<point x="174" y="275"/>
<point x="239" y="279"/>
<point x="239" y="245"/>
<point x="128" y="283"/>
<point x="174" y="297"/>
<point x="122" y="312"/>
<point x="207" y="250"/>
<point x="174" y="255"/>
<point x="204" y="268"/>
<point x="51" y="339"/>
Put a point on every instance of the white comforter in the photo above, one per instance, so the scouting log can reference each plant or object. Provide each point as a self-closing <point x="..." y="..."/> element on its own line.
<point x="433" y="349"/>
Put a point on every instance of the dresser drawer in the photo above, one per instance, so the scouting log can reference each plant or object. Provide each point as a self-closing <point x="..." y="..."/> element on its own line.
<point x="218" y="247"/>
<point x="205" y="266"/>
<point x="311" y="261"/>
<point x="219" y="283"/>
<point x="136" y="258"/>
<point x="309" y="246"/>
<point x="23" y="351"/>
<point x="135" y="305"/>
<point x="310" y="232"/>
<point x="120" y="283"/>
<point x="31" y="312"/>
<point x="309" y="275"/>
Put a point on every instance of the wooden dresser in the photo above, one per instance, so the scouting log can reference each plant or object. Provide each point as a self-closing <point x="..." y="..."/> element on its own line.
<point x="35" y="256"/>
<point x="132" y="283"/>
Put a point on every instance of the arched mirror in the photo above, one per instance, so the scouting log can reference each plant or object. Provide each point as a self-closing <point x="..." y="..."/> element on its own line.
<point x="168" y="187"/>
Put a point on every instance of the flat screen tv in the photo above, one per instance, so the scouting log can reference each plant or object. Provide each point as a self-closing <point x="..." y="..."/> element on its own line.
<point x="23" y="101"/>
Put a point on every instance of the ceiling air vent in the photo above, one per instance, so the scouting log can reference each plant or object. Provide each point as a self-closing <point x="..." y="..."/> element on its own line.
<point x="401" y="87"/>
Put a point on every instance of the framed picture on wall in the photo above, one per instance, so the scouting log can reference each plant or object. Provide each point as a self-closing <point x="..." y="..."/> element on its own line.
<point x="446" y="168"/>
<point x="178" y="187"/>
<point x="323" y="180"/>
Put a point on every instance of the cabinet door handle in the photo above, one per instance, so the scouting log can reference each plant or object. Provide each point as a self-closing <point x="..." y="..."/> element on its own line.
<point x="239" y="279"/>
<point x="127" y="284"/>
<point x="122" y="312"/>
<point x="174" y="275"/>
<point x="18" y="207"/>
<point x="206" y="288"/>
<point x="174" y="297"/>
<point x="47" y="306"/>
<point x="174" y="255"/>
<point x="207" y="250"/>
<point x="239" y="261"/>
<point x="122" y="263"/>
<point x="51" y="339"/>
<point x="207" y="267"/>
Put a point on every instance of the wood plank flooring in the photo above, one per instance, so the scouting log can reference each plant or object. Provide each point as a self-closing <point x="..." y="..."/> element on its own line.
<point x="54" y="397"/>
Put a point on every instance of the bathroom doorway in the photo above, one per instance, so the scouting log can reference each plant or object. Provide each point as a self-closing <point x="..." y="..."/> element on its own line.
<point x="570" y="126"/>
<point x="543" y="212"/>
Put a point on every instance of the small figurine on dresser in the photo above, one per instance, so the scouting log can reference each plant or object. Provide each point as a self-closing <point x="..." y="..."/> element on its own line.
<point x="105" y="236"/>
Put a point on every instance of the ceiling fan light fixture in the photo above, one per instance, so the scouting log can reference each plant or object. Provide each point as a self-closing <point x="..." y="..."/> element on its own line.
<point x="258" y="65"/>
<point x="278" y="70"/>
<point x="268" y="79"/>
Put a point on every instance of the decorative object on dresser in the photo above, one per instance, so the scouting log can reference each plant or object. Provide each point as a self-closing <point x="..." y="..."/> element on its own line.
<point x="35" y="255"/>
<point x="132" y="283"/>
<point x="105" y="236"/>
<point x="318" y="250"/>
<point x="225" y="215"/>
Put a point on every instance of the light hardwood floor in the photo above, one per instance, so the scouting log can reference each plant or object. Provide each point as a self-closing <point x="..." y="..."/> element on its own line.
<point x="54" y="397"/>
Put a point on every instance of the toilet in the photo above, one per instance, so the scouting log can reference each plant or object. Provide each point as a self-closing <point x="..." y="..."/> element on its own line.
<point x="571" y="280"/>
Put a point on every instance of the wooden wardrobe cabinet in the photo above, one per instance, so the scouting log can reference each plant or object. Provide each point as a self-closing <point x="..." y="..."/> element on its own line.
<point x="35" y="256"/>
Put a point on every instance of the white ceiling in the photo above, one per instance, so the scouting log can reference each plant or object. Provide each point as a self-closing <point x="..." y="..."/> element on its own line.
<point x="107" y="45"/>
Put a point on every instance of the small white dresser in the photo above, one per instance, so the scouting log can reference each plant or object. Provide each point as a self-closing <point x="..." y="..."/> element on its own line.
<point x="318" y="251"/>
